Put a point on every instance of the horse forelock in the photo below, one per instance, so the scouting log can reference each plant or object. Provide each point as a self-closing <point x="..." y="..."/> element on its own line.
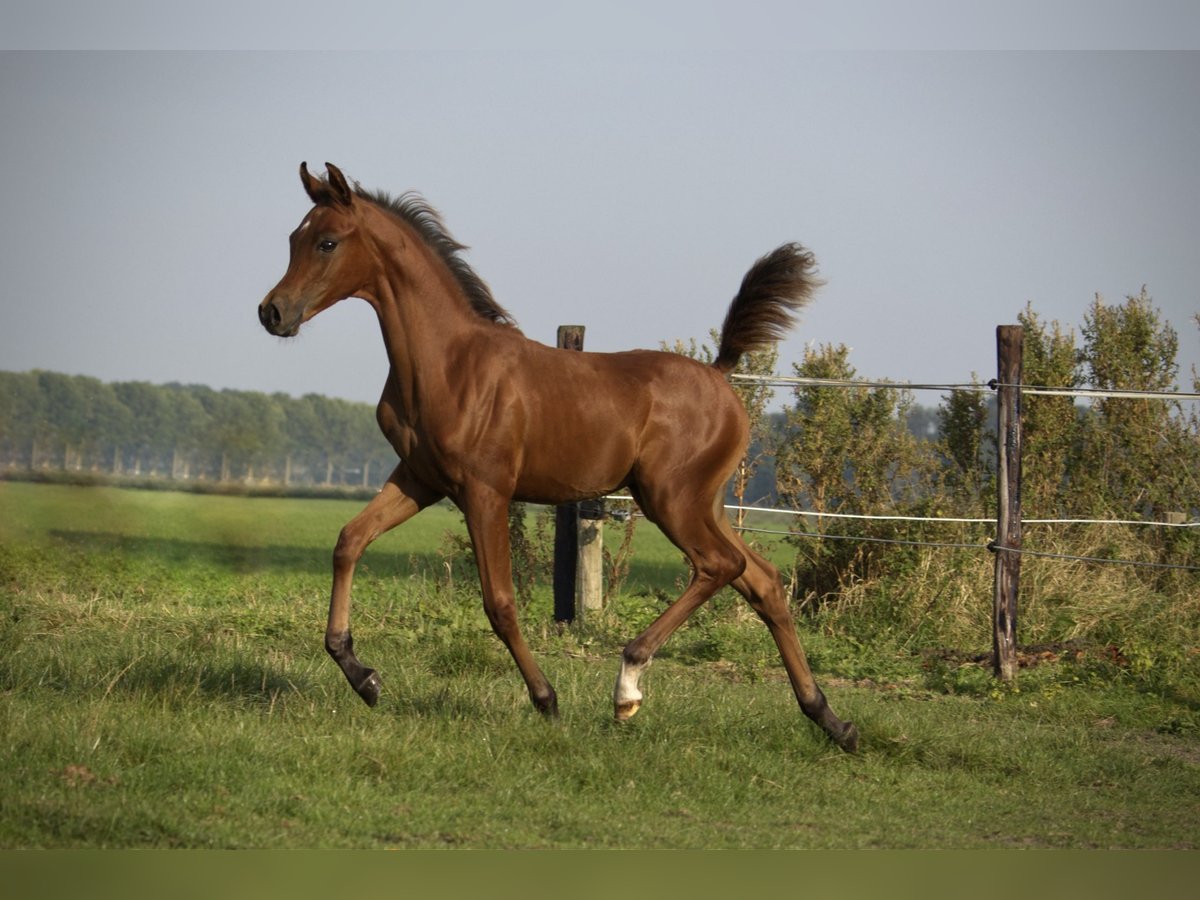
<point x="415" y="211"/>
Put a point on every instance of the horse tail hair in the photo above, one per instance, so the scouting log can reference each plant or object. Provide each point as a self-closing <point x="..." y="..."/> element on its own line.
<point x="777" y="286"/>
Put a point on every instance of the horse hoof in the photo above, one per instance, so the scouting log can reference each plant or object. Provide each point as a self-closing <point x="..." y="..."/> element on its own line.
<point x="848" y="739"/>
<point x="625" y="711"/>
<point x="369" y="688"/>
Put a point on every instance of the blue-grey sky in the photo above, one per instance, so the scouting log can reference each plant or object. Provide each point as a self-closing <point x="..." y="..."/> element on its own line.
<point x="619" y="169"/>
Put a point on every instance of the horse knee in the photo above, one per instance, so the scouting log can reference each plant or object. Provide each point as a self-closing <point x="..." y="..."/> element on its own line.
<point x="348" y="550"/>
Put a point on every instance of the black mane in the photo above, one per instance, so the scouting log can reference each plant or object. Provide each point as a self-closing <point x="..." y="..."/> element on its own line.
<point x="412" y="208"/>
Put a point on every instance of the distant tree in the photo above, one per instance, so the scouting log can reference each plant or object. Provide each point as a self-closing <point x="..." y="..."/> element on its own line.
<point x="187" y="425"/>
<point x="1136" y="455"/>
<point x="962" y="426"/>
<point x="300" y="427"/>
<point x="814" y="462"/>
<point x="111" y="424"/>
<point x="923" y="422"/>
<point x="21" y="418"/>
<point x="84" y="416"/>
<point x="147" y="443"/>
<point x="1050" y="425"/>
<point x="64" y="414"/>
<point x="847" y="449"/>
<point x="246" y="429"/>
<point x="335" y="432"/>
<point x="366" y="446"/>
<point x="189" y="429"/>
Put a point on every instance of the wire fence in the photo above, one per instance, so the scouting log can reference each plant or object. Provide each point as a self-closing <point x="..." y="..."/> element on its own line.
<point x="991" y="545"/>
<point x="984" y="546"/>
<point x="973" y="386"/>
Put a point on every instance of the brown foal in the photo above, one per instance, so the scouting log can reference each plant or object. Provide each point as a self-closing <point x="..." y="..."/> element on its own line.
<point x="474" y="410"/>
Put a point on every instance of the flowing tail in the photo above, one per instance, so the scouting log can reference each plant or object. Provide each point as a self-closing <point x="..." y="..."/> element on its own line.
<point x="773" y="291"/>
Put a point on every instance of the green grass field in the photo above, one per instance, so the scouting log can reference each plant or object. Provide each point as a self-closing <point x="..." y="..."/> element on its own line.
<point x="164" y="684"/>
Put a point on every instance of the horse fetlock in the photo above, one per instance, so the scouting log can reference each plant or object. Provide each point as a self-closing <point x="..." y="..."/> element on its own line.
<point x="844" y="734"/>
<point x="365" y="681"/>
<point x="339" y="646"/>
<point x="547" y="705"/>
<point x="847" y="738"/>
<point x="627" y="698"/>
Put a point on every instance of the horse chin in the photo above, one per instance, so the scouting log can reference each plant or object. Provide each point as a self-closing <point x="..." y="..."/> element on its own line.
<point x="282" y="331"/>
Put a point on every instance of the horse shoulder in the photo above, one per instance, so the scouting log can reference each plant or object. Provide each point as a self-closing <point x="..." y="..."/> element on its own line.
<point x="391" y="420"/>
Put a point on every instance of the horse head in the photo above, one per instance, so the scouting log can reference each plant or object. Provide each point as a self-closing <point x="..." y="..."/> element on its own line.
<point x="328" y="256"/>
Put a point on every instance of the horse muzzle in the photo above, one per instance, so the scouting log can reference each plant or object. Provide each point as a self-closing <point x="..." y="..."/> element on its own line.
<point x="276" y="320"/>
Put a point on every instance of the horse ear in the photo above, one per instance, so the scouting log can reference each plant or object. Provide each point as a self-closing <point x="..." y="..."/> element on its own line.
<point x="317" y="192"/>
<point x="337" y="182"/>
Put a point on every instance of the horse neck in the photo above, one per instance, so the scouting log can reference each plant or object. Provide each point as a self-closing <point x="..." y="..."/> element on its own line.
<point x="421" y="308"/>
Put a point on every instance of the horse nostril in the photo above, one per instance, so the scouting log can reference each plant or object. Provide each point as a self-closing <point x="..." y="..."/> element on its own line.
<point x="268" y="314"/>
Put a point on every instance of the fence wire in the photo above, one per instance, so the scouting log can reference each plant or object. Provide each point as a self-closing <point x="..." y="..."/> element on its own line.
<point x="802" y="381"/>
<point x="854" y="537"/>
<point x="993" y="385"/>
<point x="976" y="387"/>
<point x="991" y="546"/>
<point x="999" y="548"/>
<point x="951" y="519"/>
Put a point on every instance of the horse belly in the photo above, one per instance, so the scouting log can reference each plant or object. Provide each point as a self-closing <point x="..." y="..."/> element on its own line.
<point x="577" y="456"/>
<point x="575" y="468"/>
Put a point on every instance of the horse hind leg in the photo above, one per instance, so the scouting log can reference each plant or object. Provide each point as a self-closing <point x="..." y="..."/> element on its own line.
<point x="715" y="563"/>
<point x="761" y="586"/>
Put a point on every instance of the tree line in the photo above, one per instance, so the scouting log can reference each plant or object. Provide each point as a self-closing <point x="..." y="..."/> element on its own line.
<point x="187" y="433"/>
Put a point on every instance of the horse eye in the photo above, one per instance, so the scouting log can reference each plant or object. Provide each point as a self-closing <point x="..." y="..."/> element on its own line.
<point x="327" y="246"/>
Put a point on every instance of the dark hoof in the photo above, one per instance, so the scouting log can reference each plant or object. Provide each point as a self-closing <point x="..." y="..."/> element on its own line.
<point x="547" y="706"/>
<point x="848" y="739"/>
<point x="369" y="688"/>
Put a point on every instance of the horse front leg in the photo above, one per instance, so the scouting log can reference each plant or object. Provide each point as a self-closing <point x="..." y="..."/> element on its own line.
<point x="401" y="498"/>
<point x="486" y="513"/>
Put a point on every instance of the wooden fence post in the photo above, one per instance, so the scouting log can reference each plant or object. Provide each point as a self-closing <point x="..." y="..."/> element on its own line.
<point x="1009" y="344"/>
<point x="589" y="582"/>
<point x="566" y="519"/>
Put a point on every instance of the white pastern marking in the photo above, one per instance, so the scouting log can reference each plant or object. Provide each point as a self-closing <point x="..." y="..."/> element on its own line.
<point x="627" y="683"/>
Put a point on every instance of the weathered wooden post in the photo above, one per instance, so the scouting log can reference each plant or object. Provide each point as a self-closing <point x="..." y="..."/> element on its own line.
<point x="589" y="581"/>
<point x="566" y="519"/>
<point x="1009" y="344"/>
